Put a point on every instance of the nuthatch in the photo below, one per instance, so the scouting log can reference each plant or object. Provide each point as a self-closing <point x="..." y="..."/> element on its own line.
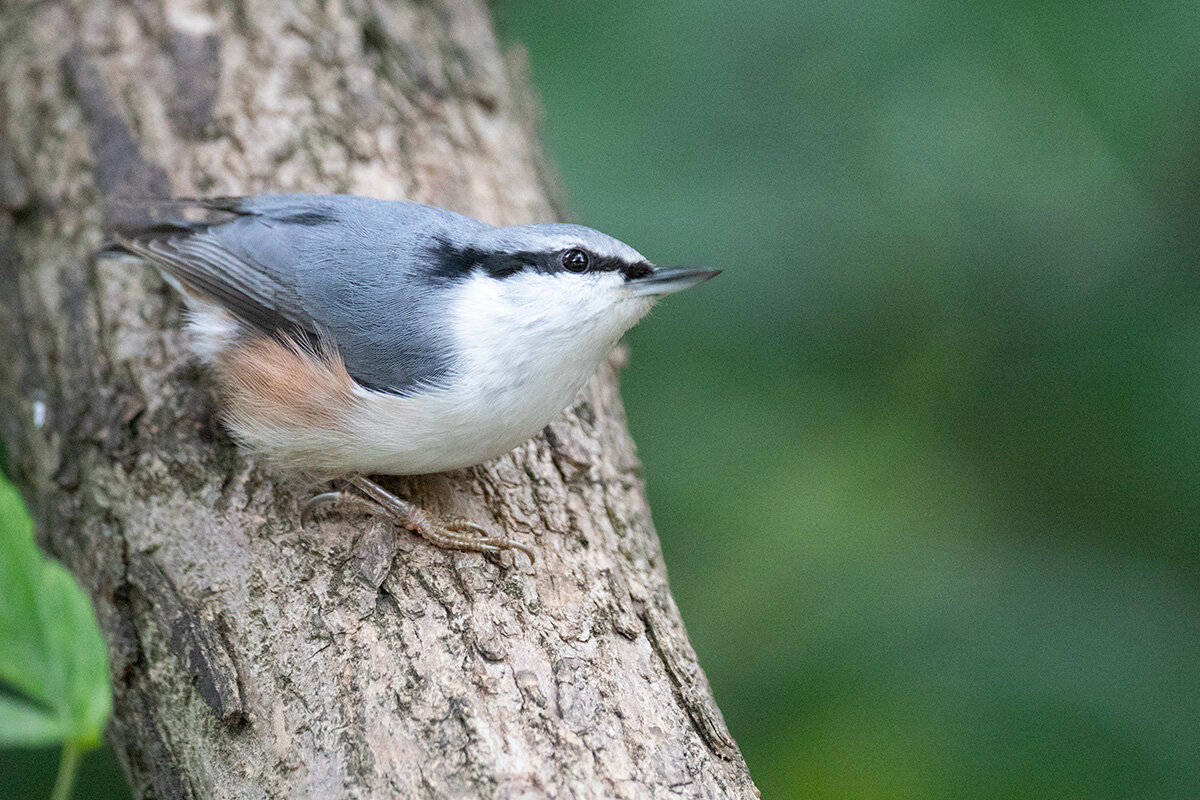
<point x="352" y="337"/>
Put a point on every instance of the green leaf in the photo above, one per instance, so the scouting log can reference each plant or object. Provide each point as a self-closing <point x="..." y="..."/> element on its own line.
<point x="24" y="724"/>
<point x="53" y="665"/>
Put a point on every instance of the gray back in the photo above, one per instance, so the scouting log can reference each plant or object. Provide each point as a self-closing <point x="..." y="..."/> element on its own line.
<point x="354" y="270"/>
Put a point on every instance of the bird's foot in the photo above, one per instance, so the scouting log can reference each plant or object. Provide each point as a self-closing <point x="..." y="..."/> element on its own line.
<point x="452" y="534"/>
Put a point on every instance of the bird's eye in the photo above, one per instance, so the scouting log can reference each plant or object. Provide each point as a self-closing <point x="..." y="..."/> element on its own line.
<point x="575" y="260"/>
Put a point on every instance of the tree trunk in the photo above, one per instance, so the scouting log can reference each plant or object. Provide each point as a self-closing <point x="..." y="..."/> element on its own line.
<point x="250" y="657"/>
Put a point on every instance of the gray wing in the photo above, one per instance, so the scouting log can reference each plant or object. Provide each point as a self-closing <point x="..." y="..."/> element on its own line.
<point x="333" y="267"/>
<point x="202" y="266"/>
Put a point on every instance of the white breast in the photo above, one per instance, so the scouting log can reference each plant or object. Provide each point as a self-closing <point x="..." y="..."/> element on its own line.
<point x="527" y="345"/>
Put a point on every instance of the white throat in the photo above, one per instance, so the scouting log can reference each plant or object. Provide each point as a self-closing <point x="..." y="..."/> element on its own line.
<point x="531" y="341"/>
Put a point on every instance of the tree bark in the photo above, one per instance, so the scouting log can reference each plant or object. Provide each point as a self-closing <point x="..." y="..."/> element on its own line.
<point x="250" y="657"/>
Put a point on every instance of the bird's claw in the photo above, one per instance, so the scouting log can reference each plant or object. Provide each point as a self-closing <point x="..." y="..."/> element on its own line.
<point x="456" y="533"/>
<point x="317" y="503"/>
<point x="343" y="498"/>
<point x="462" y="534"/>
<point x="464" y="525"/>
<point x="482" y="540"/>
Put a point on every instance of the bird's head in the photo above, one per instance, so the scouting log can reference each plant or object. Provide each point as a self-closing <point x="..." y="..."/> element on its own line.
<point x="555" y="285"/>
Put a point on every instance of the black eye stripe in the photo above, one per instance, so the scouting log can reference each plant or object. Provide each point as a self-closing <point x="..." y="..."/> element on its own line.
<point x="632" y="272"/>
<point x="452" y="262"/>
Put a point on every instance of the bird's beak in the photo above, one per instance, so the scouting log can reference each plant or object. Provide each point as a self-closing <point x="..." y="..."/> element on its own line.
<point x="668" y="280"/>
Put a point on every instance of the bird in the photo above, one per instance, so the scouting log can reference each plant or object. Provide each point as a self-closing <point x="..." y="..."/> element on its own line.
<point x="350" y="336"/>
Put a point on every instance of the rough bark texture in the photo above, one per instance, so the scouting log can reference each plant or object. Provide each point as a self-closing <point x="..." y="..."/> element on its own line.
<point x="252" y="658"/>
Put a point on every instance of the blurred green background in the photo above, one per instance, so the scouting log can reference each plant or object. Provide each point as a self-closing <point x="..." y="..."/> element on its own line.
<point x="925" y="460"/>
